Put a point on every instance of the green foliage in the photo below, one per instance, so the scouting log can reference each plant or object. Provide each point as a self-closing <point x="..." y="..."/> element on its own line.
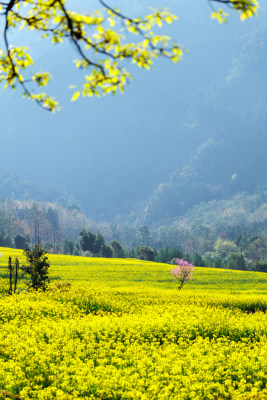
<point x="49" y="248"/>
<point x="77" y="250"/>
<point x="37" y="268"/>
<point x="257" y="249"/>
<point x="143" y="236"/>
<point x="198" y="260"/>
<point x="93" y="244"/>
<point x="132" y="253"/>
<point x="21" y="242"/>
<point x="146" y="253"/>
<point x="117" y="250"/>
<point x="38" y="221"/>
<point x="87" y="240"/>
<point x="106" y="251"/>
<point x="224" y="247"/>
<point x="205" y="178"/>
<point x="236" y="261"/>
<point x="68" y="246"/>
<point x="260" y="266"/>
<point x="214" y="262"/>
<point x="217" y="262"/>
<point x="6" y="241"/>
<point x="99" y="244"/>
<point x="167" y="254"/>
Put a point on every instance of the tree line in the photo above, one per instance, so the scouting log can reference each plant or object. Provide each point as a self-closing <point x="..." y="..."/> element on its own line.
<point x="67" y="230"/>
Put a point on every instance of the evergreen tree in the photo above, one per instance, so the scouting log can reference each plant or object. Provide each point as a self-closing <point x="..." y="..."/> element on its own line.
<point x="37" y="268"/>
<point x="198" y="261"/>
<point x="87" y="240"/>
<point x="117" y="250"/>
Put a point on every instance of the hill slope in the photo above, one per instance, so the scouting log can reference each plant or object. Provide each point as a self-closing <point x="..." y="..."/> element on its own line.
<point x="230" y="117"/>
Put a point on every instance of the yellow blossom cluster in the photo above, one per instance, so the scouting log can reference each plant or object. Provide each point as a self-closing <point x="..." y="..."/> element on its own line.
<point x="120" y="329"/>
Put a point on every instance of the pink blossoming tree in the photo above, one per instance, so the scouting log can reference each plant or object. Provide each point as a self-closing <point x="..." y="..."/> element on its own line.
<point x="183" y="272"/>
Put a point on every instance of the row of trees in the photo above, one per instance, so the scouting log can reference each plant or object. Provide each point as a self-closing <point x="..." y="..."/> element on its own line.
<point x="90" y="244"/>
<point x="226" y="253"/>
<point x="60" y="230"/>
<point x="28" y="222"/>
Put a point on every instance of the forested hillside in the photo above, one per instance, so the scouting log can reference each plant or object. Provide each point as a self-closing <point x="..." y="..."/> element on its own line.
<point x="14" y="187"/>
<point x="231" y="116"/>
<point x="25" y="222"/>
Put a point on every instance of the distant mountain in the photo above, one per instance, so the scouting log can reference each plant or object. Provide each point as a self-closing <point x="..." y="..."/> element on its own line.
<point x="232" y="157"/>
<point x="14" y="188"/>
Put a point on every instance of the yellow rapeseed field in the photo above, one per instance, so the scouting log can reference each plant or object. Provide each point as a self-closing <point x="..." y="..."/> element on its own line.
<point x="122" y="330"/>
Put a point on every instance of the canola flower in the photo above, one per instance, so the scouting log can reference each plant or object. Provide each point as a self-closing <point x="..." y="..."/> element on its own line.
<point x="119" y="329"/>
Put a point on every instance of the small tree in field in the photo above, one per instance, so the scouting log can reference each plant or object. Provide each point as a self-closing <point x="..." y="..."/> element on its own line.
<point x="37" y="268"/>
<point x="183" y="272"/>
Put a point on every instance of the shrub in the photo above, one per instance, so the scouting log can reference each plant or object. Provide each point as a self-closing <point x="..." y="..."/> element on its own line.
<point x="259" y="266"/>
<point x="63" y="286"/>
<point x="146" y="253"/>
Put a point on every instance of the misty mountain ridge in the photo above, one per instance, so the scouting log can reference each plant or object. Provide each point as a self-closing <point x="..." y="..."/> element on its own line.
<point x="232" y="157"/>
<point x="13" y="187"/>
